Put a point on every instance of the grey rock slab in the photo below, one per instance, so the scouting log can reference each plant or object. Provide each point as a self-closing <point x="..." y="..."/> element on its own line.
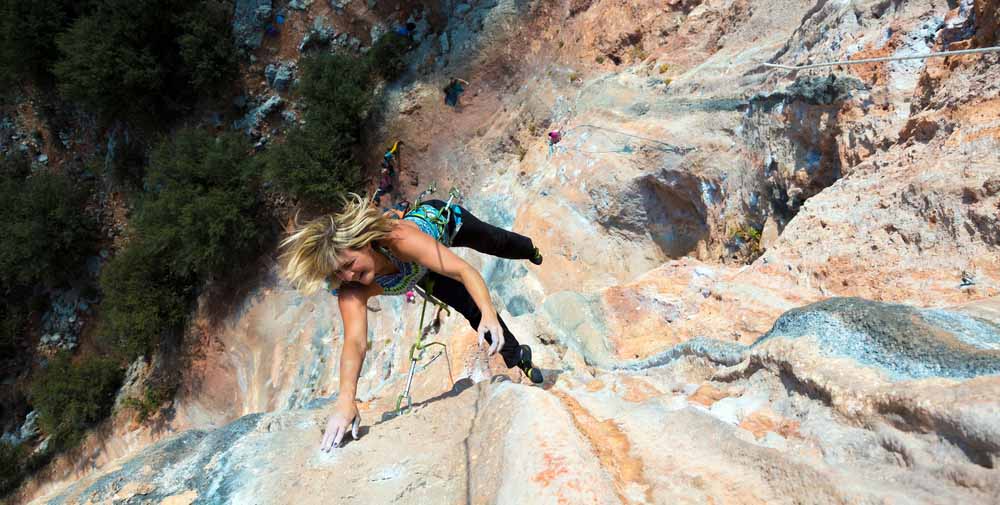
<point x="253" y="118"/>
<point x="249" y="19"/>
<point x="908" y="343"/>
<point x="320" y="34"/>
<point x="279" y="75"/>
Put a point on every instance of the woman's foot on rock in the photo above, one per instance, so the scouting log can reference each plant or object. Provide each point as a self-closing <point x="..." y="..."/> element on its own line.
<point x="537" y="258"/>
<point x="524" y="363"/>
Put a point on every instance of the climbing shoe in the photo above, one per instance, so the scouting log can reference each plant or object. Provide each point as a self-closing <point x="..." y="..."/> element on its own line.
<point x="524" y="363"/>
<point x="537" y="258"/>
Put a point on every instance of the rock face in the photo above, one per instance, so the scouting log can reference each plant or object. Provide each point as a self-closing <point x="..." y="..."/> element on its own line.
<point x="783" y="426"/>
<point x="279" y="76"/>
<point x="249" y="19"/>
<point x="796" y="129"/>
<point x="255" y="116"/>
<point x="758" y="287"/>
<point x="318" y="35"/>
<point x="909" y="343"/>
<point x="27" y="431"/>
<point x="61" y="324"/>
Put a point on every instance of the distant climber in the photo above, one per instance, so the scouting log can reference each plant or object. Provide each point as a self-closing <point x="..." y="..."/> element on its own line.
<point x="453" y="91"/>
<point x="273" y="29"/>
<point x="408" y="33"/>
<point x="554" y="137"/>
<point x="360" y="253"/>
<point x="390" y="159"/>
<point x="407" y="30"/>
<point x="384" y="185"/>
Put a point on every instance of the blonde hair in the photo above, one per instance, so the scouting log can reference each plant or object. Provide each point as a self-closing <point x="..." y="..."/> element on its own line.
<point x="312" y="251"/>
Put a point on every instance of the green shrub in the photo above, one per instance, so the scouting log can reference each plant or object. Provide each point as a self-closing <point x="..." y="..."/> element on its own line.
<point x="16" y="463"/>
<point x="13" y="320"/>
<point x="751" y="238"/>
<point x="153" y="397"/>
<point x="45" y="233"/>
<point x="141" y="302"/>
<point x="317" y="162"/>
<point x="11" y="470"/>
<point x="337" y="89"/>
<point x="17" y="167"/>
<point x="125" y="163"/>
<point x="198" y="216"/>
<point x="28" y="34"/>
<point x="197" y="219"/>
<point x="72" y="397"/>
<point x="206" y="45"/>
<point x="145" y="58"/>
<point x="387" y="56"/>
<point x="108" y="64"/>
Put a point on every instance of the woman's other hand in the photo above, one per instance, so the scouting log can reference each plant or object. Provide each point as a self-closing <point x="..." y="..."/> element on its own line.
<point x="344" y="418"/>
<point x="492" y="326"/>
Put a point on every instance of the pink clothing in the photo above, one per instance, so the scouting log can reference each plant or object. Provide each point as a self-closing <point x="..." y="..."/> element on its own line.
<point x="555" y="136"/>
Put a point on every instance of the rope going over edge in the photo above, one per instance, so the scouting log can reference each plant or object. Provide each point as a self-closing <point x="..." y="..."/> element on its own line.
<point x="940" y="54"/>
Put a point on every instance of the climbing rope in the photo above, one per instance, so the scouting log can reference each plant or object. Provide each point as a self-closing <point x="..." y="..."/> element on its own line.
<point x="626" y="148"/>
<point x="418" y="347"/>
<point x="427" y="192"/>
<point x="940" y="54"/>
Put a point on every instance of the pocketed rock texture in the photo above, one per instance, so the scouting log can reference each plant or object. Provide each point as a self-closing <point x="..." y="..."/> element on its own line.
<point x="759" y="286"/>
<point x="797" y="421"/>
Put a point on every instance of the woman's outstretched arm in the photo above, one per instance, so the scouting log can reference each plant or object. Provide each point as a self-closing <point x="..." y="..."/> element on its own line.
<point x="345" y="417"/>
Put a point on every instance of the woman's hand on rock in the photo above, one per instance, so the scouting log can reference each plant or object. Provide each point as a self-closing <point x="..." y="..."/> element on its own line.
<point x="492" y="326"/>
<point x="344" y="419"/>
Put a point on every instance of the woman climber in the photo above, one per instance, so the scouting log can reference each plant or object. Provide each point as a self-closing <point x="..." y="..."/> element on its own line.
<point x="360" y="253"/>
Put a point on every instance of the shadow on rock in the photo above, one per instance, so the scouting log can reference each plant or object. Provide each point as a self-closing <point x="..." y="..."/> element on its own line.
<point x="362" y="433"/>
<point x="460" y="386"/>
<point x="551" y="376"/>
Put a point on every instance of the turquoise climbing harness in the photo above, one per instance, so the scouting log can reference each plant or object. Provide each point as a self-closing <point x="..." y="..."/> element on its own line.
<point x="439" y="219"/>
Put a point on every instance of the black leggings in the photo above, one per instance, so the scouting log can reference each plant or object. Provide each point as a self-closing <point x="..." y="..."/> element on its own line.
<point x="488" y="239"/>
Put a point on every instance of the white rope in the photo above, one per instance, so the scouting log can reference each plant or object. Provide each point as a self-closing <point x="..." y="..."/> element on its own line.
<point x="888" y="58"/>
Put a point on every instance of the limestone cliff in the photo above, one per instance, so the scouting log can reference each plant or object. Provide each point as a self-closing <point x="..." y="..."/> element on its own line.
<point x="759" y="286"/>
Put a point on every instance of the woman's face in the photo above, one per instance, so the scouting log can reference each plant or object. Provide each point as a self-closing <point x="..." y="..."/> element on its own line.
<point x="357" y="265"/>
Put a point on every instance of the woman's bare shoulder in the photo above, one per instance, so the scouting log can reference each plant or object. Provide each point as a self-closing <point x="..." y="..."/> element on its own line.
<point x="401" y="230"/>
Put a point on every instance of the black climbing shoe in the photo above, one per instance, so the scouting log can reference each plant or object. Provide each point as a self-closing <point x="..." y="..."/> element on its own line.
<point x="537" y="258"/>
<point x="524" y="363"/>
